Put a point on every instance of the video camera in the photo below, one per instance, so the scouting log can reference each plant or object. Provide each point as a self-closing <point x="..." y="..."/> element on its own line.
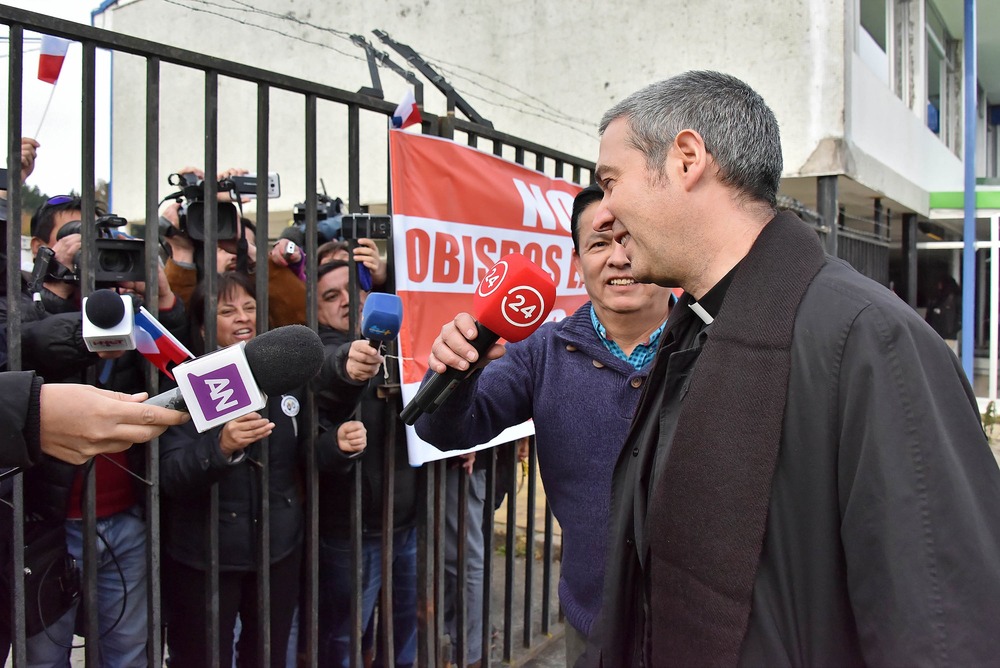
<point x="192" y="198"/>
<point x="328" y="215"/>
<point x="118" y="259"/>
<point x="192" y="214"/>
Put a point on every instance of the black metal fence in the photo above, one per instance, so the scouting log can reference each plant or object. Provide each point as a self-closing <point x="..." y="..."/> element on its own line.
<point x="535" y="626"/>
<point x="863" y="242"/>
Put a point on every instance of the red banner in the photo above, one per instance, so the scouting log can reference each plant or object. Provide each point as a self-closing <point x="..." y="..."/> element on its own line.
<point x="456" y="211"/>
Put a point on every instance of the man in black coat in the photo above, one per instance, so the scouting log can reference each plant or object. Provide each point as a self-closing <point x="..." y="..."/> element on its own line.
<point x="806" y="480"/>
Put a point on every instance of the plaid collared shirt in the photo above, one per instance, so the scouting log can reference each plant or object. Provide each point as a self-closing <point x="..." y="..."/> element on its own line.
<point x="641" y="355"/>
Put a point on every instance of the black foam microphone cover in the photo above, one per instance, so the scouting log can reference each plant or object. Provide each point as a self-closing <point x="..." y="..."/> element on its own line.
<point x="284" y="358"/>
<point x="105" y="308"/>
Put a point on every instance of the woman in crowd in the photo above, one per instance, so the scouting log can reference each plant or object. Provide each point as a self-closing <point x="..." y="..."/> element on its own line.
<point x="190" y="463"/>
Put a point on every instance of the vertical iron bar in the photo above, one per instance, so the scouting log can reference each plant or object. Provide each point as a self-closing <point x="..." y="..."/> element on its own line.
<point x="440" y="496"/>
<point x="826" y="198"/>
<point x="211" y="282"/>
<point x="460" y="642"/>
<point x="264" y="645"/>
<point x="509" y="571"/>
<point x="357" y="524"/>
<point x="309" y="618"/>
<point x="154" y="605"/>
<point x="15" y="65"/>
<point x="488" y="537"/>
<point x="88" y="255"/>
<point x="426" y="611"/>
<point x="387" y="627"/>
<point x="529" y="542"/>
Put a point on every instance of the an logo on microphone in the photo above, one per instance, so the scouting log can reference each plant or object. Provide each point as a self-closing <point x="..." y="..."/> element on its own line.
<point x="220" y="392"/>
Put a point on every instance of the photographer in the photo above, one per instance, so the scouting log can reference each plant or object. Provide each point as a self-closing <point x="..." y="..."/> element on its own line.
<point x="286" y="289"/>
<point x="53" y="489"/>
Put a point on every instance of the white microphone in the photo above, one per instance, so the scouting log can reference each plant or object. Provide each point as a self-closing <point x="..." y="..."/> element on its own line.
<point x="229" y="383"/>
<point x="108" y="321"/>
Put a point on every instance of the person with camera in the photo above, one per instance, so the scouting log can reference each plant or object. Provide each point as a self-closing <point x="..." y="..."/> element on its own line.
<point x="54" y="489"/>
<point x="179" y="228"/>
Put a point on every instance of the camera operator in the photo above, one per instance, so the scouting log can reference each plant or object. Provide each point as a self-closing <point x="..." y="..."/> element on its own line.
<point x="53" y="489"/>
<point x="286" y="289"/>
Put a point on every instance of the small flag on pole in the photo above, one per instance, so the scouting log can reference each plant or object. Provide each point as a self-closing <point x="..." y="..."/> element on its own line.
<point x="51" y="59"/>
<point x="157" y="344"/>
<point x="407" y="113"/>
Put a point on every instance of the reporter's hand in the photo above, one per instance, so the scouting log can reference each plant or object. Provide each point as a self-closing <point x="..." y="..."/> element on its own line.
<point x="80" y="421"/>
<point x="226" y="196"/>
<point x="452" y="348"/>
<point x="352" y="437"/>
<point x="278" y="254"/>
<point x="181" y="245"/>
<point x="165" y="296"/>
<point x="367" y="254"/>
<point x="28" y="156"/>
<point x="467" y="462"/>
<point x="363" y="361"/>
<point x="66" y="249"/>
<point x="243" y="431"/>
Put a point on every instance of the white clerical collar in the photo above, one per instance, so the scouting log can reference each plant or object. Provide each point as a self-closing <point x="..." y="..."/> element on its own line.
<point x="700" y="311"/>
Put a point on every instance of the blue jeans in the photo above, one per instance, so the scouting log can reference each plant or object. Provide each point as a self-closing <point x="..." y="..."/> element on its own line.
<point x="335" y="596"/>
<point x="122" y="645"/>
<point x="474" y="553"/>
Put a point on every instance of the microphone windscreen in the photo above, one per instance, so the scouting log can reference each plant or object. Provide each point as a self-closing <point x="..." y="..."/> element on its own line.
<point x="514" y="297"/>
<point x="284" y="358"/>
<point x="105" y="308"/>
<point x="381" y="317"/>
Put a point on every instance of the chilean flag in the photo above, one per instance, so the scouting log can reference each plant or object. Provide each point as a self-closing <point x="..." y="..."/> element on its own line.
<point x="407" y="113"/>
<point x="51" y="59"/>
<point x="157" y="344"/>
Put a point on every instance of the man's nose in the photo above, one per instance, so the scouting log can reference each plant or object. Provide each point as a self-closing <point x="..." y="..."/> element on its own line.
<point x="603" y="219"/>
<point x="618" y="257"/>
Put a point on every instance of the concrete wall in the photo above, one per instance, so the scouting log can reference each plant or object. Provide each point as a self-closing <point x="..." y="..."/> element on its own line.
<point x="541" y="70"/>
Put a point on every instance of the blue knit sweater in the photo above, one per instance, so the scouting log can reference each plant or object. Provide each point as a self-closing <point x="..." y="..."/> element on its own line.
<point x="582" y="399"/>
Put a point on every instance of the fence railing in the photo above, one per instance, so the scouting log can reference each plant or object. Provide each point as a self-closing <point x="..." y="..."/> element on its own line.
<point x="431" y="510"/>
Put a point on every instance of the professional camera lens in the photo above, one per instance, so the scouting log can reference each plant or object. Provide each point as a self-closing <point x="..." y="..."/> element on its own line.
<point x="116" y="261"/>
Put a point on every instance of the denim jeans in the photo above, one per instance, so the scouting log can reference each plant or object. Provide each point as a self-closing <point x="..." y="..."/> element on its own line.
<point x="474" y="553"/>
<point x="122" y="644"/>
<point x="335" y="596"/>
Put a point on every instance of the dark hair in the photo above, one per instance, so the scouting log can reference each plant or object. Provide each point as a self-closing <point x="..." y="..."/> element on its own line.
<point x="739" y="129"/>
<point x="327" y="267"/>
<point x="330" y="247"/>
<point x="229" y="283"/>
<point x="583" y="199"/>
<point x="43" y="220"/>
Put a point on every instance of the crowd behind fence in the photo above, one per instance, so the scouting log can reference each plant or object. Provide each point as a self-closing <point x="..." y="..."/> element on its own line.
<point x="536" y="622"/>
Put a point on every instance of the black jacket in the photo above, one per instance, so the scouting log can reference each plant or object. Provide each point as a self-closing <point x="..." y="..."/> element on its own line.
<point x="19" y="418"/>
<point x="191" y="462"/>
<point x="337" y="397"/>
<point x="883" y="526"/>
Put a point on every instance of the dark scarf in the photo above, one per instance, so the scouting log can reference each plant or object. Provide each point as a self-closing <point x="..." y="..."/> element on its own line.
<point x="708" y="512"/>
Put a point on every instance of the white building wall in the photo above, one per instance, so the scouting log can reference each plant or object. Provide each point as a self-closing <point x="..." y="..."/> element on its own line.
<point x="538" y="69"/>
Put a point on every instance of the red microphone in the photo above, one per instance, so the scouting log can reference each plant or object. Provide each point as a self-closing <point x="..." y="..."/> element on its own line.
<point x="511" y="302"/>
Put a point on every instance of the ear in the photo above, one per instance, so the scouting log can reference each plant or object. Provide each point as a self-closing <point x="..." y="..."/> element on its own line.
<point x="691" y="158"/>
<point x="575" y="257"/>
<point x="36" y="243"/>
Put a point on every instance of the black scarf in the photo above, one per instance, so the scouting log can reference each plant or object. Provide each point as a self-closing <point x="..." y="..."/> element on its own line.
<point x="708" y="511"/>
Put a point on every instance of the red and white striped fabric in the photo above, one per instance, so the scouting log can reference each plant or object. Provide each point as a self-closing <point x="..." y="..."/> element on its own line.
<point x="50" y="61"/>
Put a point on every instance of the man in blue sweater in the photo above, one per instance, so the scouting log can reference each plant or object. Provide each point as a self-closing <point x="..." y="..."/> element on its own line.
<point x="580" y="379"/>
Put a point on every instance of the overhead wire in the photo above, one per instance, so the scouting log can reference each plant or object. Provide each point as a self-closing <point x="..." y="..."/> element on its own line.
<point x="537" y="107"/>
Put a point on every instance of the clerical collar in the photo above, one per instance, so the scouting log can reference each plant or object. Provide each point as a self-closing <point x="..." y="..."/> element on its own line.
<point x="708" y="306"/>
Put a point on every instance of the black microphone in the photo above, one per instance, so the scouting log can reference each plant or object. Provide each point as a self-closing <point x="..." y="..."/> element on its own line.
<point x="229" y="383"/>
<point x="108" y="321"/>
